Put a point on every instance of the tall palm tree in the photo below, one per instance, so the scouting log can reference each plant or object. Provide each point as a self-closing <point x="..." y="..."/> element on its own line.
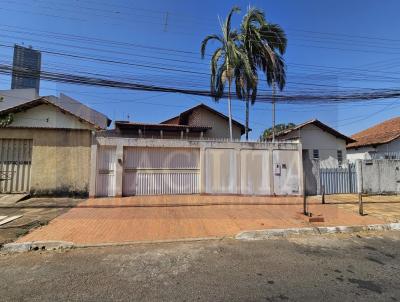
<point x="264" y="44"/>
<point x="225" y="60"/>
<point x="246" y="89"/>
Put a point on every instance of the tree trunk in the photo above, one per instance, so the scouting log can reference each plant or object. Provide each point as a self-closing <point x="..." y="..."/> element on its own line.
<point x="273" y="111"/>
<point x="230" y="109"/>
<point x="247" y="116"/>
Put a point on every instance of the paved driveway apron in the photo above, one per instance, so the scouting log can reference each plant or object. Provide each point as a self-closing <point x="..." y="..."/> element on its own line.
<point x="159" y="218"/>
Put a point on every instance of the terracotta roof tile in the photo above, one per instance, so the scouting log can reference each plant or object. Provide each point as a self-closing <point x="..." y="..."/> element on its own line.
<point x="377" y="135"/>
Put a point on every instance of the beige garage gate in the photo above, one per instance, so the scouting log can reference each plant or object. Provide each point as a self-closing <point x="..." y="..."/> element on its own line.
<point x="15" y="165"/>
<point x="155" y="171"/>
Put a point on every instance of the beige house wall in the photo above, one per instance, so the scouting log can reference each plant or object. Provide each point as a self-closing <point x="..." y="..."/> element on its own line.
<point x="220" y="126"/>
<point x="60" y="159"/>
<point x="47" y="116"/>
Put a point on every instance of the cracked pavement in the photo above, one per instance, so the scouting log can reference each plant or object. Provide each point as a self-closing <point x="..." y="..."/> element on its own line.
<point x="358" y="267"/>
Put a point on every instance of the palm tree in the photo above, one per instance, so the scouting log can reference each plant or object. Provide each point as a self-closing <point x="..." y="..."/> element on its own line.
<point x="264" y="44"/>
<point x="226" y="59"/>
<point x="247" y="89"/>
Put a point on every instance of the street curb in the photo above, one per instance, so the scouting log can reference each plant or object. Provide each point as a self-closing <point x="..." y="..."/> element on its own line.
<point x="276" y="233"/>
<point x="36" y="246"/>
<point x="146" y="242"/>
<point x="63" y="245"/>
<point x="245" y="235"/>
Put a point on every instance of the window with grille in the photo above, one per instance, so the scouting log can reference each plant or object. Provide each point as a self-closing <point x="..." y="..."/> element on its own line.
<point x="340" y="156"/>
<point x="315" y="154"/>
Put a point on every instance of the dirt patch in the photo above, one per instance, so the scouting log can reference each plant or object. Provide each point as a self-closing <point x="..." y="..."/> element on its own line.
<point x="36" y="212"/>
<point x="384" y="207"/>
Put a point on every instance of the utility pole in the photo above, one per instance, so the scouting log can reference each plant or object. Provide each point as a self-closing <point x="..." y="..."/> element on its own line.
<point x="166" y="22"/>
<point x="273" y="111"/>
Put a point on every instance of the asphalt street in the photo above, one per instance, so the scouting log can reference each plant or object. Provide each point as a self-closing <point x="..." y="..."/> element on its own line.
<point x="362" y="267"/>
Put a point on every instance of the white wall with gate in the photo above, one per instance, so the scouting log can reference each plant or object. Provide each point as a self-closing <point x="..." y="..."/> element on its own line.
<point x="249" y="171"/>
<point x="127" y="166"/>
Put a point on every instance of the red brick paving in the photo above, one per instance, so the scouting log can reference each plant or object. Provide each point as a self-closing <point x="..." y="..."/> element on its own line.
<point x="150" y="218"/>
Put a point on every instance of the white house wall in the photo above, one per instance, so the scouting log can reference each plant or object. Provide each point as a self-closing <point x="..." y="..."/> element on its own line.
<point x="366" y="152"/>
<point x="313" y="137"/>
<point x="47" y="116"/>
<point x="359" y="153"/>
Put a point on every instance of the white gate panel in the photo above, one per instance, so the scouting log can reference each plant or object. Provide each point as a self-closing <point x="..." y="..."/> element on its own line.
<point x="286" y="172"/>
<point x="161" y="171"/>
<point x="157" y="183"/>
<point x="106" y="164"/>
<point x="15" y="165"/>
<point x="221" y="171"/>
<point x="255" y="172"/>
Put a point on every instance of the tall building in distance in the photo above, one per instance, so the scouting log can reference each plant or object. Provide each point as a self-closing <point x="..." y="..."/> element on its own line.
<point x="26" y="68"/>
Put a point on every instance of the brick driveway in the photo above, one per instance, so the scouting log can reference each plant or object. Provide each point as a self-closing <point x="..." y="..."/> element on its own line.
<point x="154" y="218"/>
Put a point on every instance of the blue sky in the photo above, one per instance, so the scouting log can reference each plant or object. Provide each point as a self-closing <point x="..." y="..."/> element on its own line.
<point x="333" y="46"/>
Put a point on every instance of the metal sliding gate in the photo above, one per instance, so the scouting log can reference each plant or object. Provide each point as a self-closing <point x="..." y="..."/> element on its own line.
<point x="158" y="171"/>
<point x="15" y="165"/>
<point x="338" y="180"/>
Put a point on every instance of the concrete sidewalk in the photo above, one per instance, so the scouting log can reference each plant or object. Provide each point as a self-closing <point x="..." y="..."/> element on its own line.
<point x="118" y="220"/>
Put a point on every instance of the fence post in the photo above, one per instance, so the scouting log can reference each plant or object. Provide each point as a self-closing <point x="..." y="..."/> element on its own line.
<point x="360" y="205"/>
<point x="350" y="180"/>
<point x="305" y="210"/>
<point x="359" y="186"/>
<point x="323" y="194"/>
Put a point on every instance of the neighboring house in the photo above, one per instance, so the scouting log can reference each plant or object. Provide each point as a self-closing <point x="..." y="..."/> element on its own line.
<point x="200" y="121"/>
<point x="46" y="148"/>
<point x="379" y="141"/>
<point x="319" y="142"/>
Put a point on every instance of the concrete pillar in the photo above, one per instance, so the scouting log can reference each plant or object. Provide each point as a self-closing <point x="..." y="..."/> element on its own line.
<point x="271" y="170"/>
<point x="238" y="172"/>
<point x="359" y="176"/>
<point x="93" y="170"/>
<point x="317" y="167"/>
<point x="119" y="170"/>
<point x="202" y="177"/>
<point x="301" y="171"/>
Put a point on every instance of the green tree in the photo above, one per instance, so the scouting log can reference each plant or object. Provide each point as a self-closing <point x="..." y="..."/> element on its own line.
<point x="5" y="119"/>
<point x="226" y="60"/>
<point x="267" y="134"/>
<point x="264" y="44"/>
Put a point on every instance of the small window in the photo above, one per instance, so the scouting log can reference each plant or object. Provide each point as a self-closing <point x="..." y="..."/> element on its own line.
<point x="315" y="154"/>
<point x="340" y="156"/>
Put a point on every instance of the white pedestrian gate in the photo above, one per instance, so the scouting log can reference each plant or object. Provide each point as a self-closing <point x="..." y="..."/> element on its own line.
<point x="286" y="172"/>
<point x="15" y="165"/>
<point x="106" y="164"/>
<point x="158" y="171"/>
